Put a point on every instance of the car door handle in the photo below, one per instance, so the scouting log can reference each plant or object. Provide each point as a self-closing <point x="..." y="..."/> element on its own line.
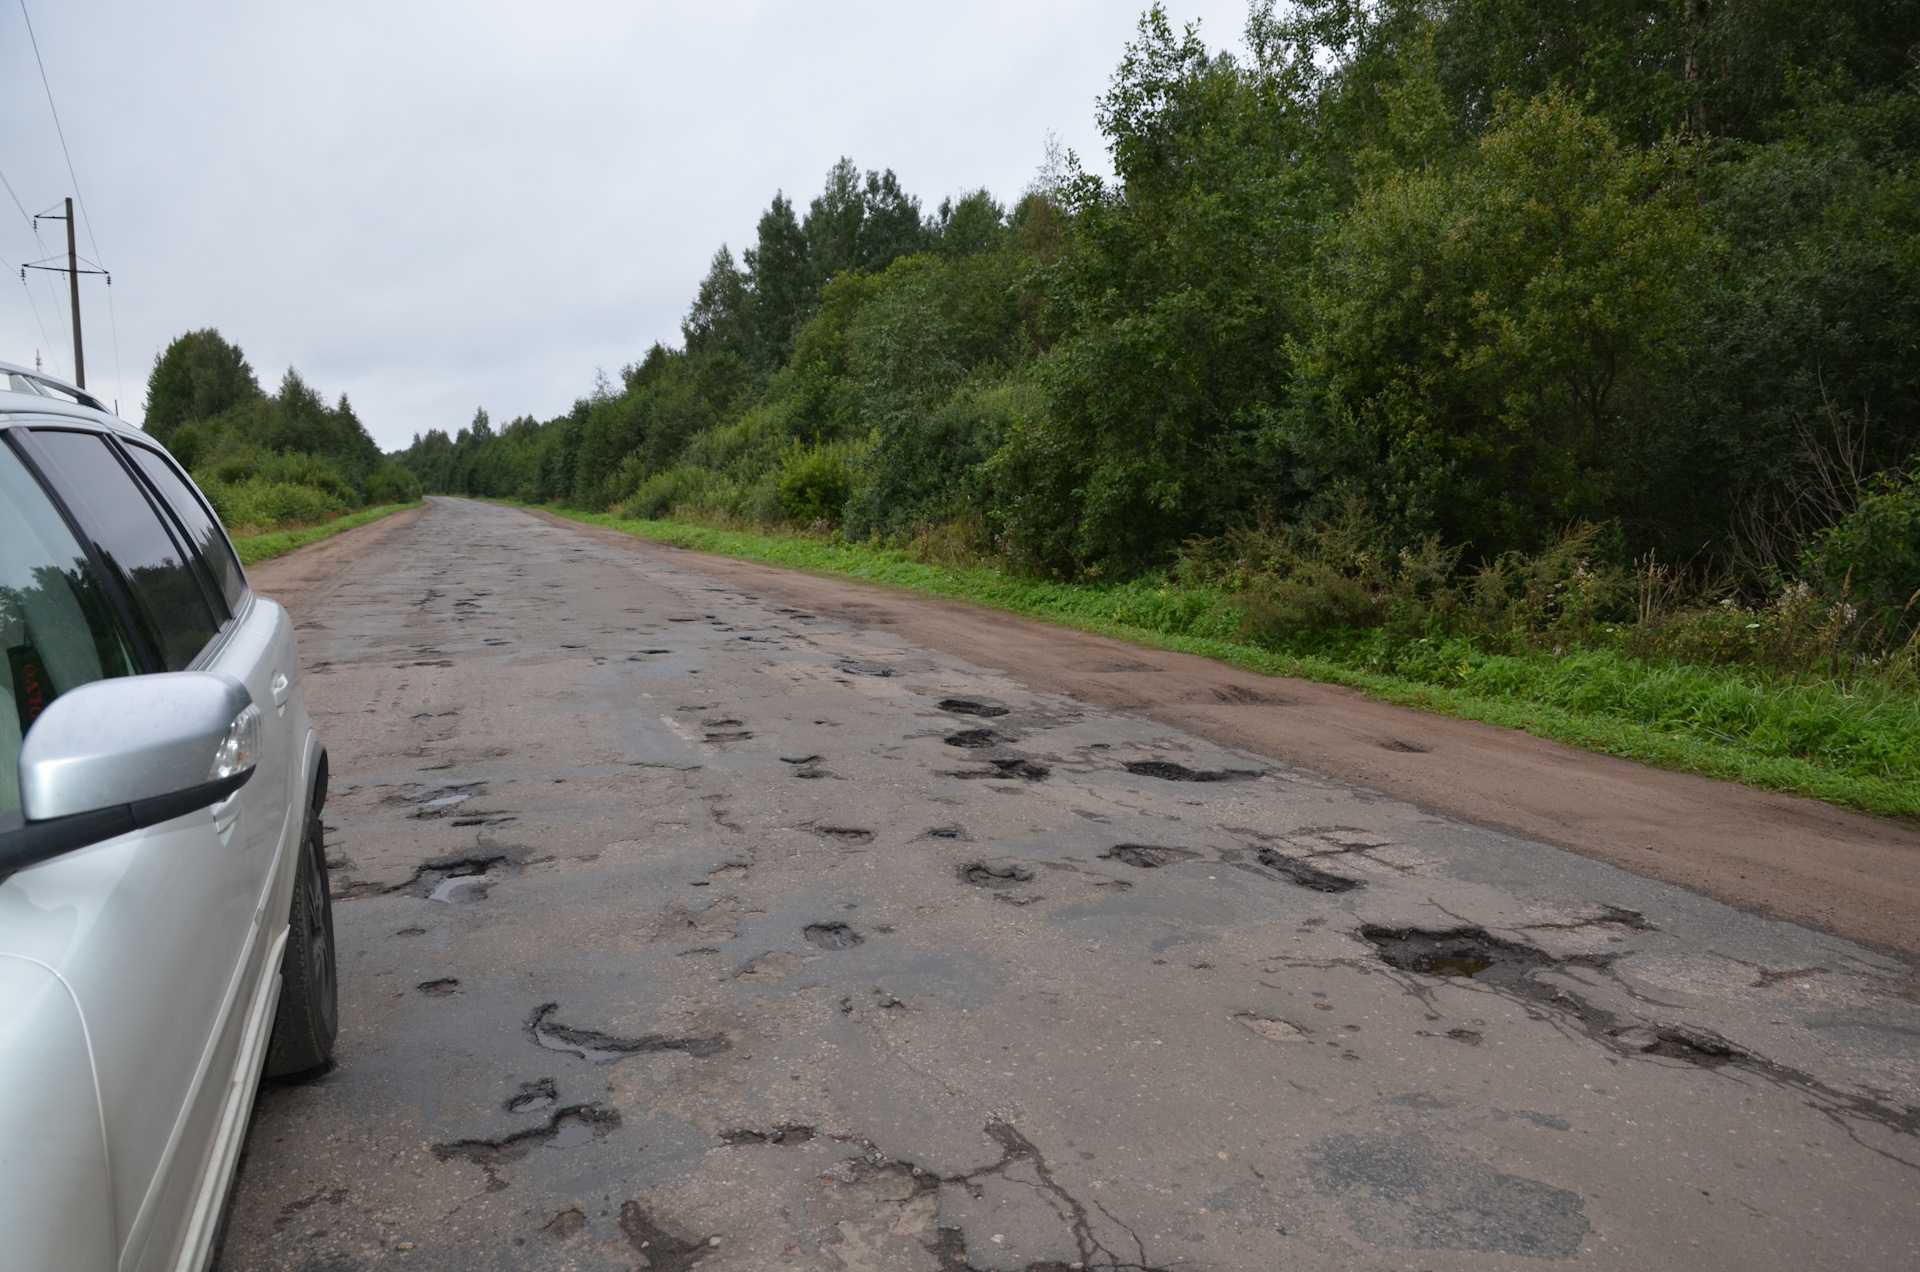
<point x="280" y="686"/>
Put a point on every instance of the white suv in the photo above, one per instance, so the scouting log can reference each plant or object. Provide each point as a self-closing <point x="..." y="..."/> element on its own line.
<point x="165" y="931"/>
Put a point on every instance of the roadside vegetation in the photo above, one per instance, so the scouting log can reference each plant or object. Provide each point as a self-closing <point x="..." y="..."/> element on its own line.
<point x="280" y="462"/>
<point x="1552" y="363"/>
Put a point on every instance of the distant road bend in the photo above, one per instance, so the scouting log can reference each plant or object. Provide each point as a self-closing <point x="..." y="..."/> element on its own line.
<point x="699" y="913"/>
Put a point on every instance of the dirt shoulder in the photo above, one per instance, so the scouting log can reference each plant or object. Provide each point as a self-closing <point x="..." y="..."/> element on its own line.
<point x="296" y="578"/>
<point x="1776" y="855"/>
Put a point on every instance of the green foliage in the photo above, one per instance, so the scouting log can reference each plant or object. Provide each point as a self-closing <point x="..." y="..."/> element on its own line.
<point x="264" y="460"/>
<point x="1872" y="557"/>
<point x="198" y="377"/>
<point x="1464" y="319"/>
<point x="816" y="481"/>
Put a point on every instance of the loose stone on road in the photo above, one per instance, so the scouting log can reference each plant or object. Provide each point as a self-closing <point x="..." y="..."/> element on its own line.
<point x="681" y="925"/>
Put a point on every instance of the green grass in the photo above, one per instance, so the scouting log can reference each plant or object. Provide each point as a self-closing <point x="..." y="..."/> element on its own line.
<point x="259" y="547"/>
<point x="1857" y="747"/>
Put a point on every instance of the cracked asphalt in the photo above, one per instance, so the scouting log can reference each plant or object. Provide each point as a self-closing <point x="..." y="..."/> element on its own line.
<point x="681" y="926"/>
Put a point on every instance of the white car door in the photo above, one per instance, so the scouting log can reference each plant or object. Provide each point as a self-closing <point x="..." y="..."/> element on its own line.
<point x="164" y="944"/>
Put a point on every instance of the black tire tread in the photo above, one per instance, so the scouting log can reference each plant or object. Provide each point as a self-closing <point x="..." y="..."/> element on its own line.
<point x="304" y="1025"/>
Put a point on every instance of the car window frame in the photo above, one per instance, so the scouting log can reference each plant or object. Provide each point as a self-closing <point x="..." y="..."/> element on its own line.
<point x="203" y="568"/>
<point x="144" y="656"/>
<point x="206" y="506"/>
<point x="17" y="434"/>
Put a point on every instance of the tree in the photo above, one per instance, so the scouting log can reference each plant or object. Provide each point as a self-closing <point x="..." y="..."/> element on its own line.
<point x="782" y="280"/>
<point x="199" y="376"/>
<point x="722" y="316"/>
<point x="1492" y="323"/>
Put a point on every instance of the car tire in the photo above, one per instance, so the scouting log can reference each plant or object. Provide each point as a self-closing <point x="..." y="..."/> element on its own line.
<point x="309" y="1011"/>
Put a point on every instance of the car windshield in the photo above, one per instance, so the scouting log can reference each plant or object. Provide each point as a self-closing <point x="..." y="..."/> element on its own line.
<point x="56" y="625"/>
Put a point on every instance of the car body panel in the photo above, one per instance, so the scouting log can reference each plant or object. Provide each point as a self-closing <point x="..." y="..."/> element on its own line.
<point x="165" y="947"/>
<point x="55" y="1188"/>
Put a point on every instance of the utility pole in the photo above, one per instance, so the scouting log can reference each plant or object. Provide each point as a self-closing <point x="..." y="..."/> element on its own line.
<point x="73" y="271"/>
<point x="73" y="286"/>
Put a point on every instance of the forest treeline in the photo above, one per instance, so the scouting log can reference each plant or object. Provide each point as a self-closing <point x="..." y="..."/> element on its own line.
<point x="1476" y="274"/>
<point x="264" y="460"/>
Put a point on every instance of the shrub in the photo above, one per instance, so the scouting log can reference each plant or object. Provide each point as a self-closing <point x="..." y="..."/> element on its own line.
<point x="392" y="484"/>
<point x="817" y="481"/>
<point x="1871" y="559"/>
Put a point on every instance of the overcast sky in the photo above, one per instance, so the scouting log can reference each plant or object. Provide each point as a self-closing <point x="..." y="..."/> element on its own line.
<point x="432" y="206"/>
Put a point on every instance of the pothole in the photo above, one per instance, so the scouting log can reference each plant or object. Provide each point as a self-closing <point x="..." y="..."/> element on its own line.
<point x="663" y="1251"/>
<point x="1465" y="952"/>
<point x="462" y="880"/>
<point x="598" y="1048"/>
<point x="845" y="834"/>
<point x="1406" y="748"/>
<point x="438" y="801"/>
<point x="995" y="874"/>
<point x="1148" y="856"/>
<point x="445" y="987"/>
<point x="790" y="1133"/>
<point x="1272" y="1028"/>
<point x="532" y="1097"/>
<point x="1307" y="876"/>
<point x="856" y="667"/>
<point x="831" y="936"/>
<point x="1704" y="1050"/>
<point x="947" y="832"/>
<point x="566" y="1128"/>
<point x="967" y="706"/>
<point x="1025" y="770"/>
<point x="1168" y="771"/>
<point x="975" y="738"/>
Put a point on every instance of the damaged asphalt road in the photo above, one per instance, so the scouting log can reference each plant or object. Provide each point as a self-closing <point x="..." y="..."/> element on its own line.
<point x="679" y="927"/>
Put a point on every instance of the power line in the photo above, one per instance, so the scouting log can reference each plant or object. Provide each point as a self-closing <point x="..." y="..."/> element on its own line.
<point x="86" y="218"/>
<point x="58" y="130"/>
<point x="16" y="198"/>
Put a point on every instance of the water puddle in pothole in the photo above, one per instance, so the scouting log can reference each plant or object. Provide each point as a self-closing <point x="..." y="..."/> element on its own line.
<point x="571" y="1130"/>
<point x="462" y="889"/>
<point x="533" y="1097"/>
<point x="1468" y="953"/>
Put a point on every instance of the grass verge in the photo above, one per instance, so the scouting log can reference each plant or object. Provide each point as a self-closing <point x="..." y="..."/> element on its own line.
<point x="1848" y="748"/>
<point x="254" y="548"/>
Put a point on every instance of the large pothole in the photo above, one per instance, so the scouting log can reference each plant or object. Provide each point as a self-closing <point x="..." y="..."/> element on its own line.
<point x="1463" y="952"/>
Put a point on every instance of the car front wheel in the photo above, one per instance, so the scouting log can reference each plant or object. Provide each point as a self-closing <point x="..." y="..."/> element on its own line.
<point x="309" y="1012"/>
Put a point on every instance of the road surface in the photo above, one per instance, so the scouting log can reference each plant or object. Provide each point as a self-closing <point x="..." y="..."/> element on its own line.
<point x="683" y="923"/>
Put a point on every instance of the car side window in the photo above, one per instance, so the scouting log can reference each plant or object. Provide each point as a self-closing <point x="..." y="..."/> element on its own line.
<point x="205" y="533"/>
<point x="153" y="570"/>
<point x="57" y="629"/>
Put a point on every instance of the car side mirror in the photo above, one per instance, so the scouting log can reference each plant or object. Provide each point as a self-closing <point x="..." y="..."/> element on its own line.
<point x="114" y="756"/>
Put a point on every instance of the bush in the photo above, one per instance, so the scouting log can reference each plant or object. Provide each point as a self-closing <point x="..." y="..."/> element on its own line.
<point x="817" y="481"/>
<point x="255" y="505"/>
<point x="392" y="484"/>
<point x="1871" y="559"/>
